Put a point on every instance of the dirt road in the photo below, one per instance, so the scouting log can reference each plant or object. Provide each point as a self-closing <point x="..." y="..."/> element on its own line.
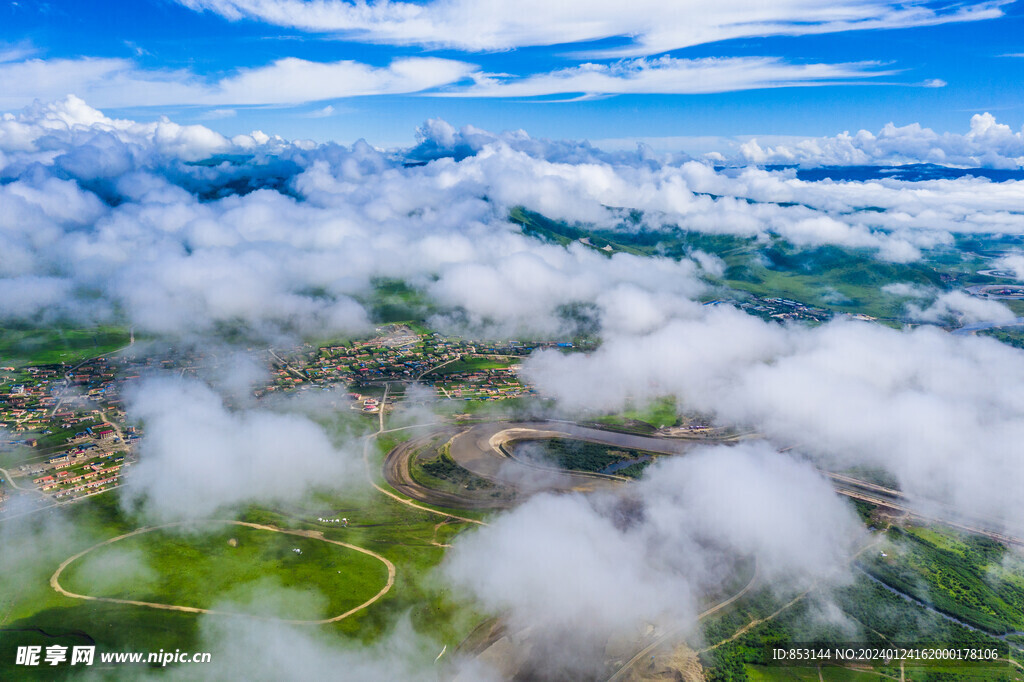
<point x="315" y="535"/>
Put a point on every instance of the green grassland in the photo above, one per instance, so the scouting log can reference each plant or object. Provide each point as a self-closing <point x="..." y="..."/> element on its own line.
<point x="843" y="280"/>
<point x="868" y="614"/>
<point x="645" y="418"/>
<point x="965" y="577"/>
<point x="173" y="566"/>
<point x="558" y="232"/>
<point x="830" y="277"/>
<point x="435" y="469"/>
<point x="469" y="364"/>
<point x="393" y="300"/>
<point x="213" y="563"/>
<point x="524" y="407"/>
<point x="579" y="455"/>
<point x="1012" y="336"/>
<point x="30" y="346"/>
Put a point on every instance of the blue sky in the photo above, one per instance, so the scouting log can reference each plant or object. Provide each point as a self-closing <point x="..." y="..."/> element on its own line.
<point x="334" y="70"/>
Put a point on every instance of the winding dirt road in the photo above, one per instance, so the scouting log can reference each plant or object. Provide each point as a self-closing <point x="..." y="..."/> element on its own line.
<point x="485" y="451"/>
<point x="623" y="671"/>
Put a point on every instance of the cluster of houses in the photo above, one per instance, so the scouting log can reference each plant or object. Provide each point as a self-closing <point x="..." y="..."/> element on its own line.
<point x="488" y="384"/>
<point x="784" y="309"/>
<point x="69" y="417"/>
<point x="399" y="354"/>
<point x="74" y="419"/>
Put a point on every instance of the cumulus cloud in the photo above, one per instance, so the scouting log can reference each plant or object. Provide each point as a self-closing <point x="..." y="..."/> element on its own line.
<point x="471" y="25"/>
<point x="960" y="308"/>
<point x="115" y="218"/>
<point x="942" y="413"/>
<point x="576" y="571"/>
<point x="987" y="144"/>
<point x="199" y="457"/>
<point x="1011" y="262"/>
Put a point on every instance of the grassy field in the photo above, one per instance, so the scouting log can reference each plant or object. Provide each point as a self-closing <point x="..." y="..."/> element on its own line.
<point x="167" y="568"/>
<point x="42" y="347"/>
<point x="392" y="300"/>
<point x="646" y="418"/>
<point x="864" y="612"/>
<point x="964" y="576"/>
<point x="469" y="364"/>
<point x="435" y="469"/>
<point x="231" y="568"/>
<point x="1013" y="336"/>
<point x="578" y="455"/>
<point x="840" y="279"/>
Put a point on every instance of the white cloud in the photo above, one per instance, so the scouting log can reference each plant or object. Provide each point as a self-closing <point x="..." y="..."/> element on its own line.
<point x="323" y="112"/>
<point x="987" y="143"/>
<point x="298" y="263"/>
<point x="13" y="53"/>
<point x="1011" y="262"/>
<point x="650" y="25"/>
<point x="120" y="83"/>
<point x="907" y="290"/>
<point x="942" y="413"/>
<point x="652" y="552"/>
<point x="957" y="307"/>
<point x="666" y="75"/>
<point x="198" y="457"/>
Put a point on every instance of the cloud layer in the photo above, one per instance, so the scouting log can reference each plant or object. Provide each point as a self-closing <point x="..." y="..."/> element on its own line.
<point x="648" y="26"/>
<point x="987" y="144"/>
<point x="575" y="571"/>
<point x="111" y="219"/>
<point x="185" y="233"/>
<point x="199" y="458"/>
<point x="940" y="412"/>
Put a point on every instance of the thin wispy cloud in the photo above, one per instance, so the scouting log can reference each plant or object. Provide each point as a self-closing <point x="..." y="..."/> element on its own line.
<point x="293" y="81"/>
<point x="667" y="75"/>
<point x="650" y="26"/>
<point x="121" y="83"/>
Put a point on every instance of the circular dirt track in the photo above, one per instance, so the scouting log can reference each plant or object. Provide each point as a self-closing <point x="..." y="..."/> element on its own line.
<point x="484" y="451"/>
<point x="314" y="535"/>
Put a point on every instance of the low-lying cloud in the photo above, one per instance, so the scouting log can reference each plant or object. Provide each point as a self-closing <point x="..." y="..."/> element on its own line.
<point x="942" y="413"/>
<point x="199" y="457"/>
<point x="111" y="220"/>
<point x="575" y="571"/>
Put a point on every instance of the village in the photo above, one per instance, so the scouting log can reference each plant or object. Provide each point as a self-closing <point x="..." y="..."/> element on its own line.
<point x="457" y="369"/>
<point x="64" y="428"/>
<point x="783" y="309"/>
